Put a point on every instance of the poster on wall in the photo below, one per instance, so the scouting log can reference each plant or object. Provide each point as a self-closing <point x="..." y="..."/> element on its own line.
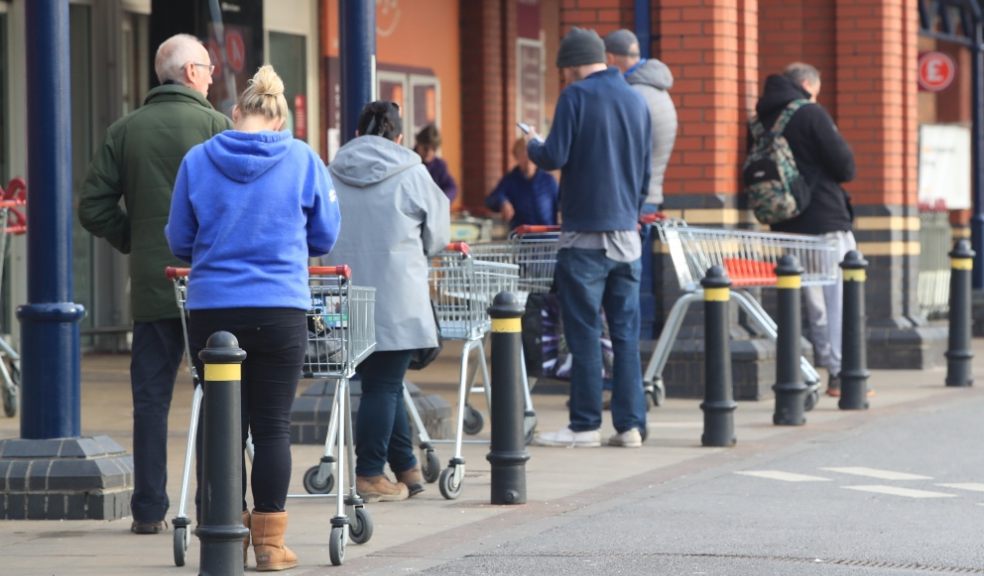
<point x="529" y="83"/>
<point x="944" y="167"/>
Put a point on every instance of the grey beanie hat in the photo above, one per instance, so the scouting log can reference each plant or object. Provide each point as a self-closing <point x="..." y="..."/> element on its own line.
<point x="580" y="47"/>
<point x="620" y="43"/>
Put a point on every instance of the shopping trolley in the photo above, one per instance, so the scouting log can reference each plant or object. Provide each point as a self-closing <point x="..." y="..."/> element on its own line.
<point x="750" y="258"/>
<point x="341" y="333"/>
<point x="462" y="289"/>
<point x="12" y="222"/>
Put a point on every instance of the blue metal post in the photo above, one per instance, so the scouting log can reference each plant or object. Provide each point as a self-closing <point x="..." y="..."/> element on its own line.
<point x="358" y="59"/>
<point x="977" y="163"/>
<point x="49" y="321"/>
<point x="643" y="26"/>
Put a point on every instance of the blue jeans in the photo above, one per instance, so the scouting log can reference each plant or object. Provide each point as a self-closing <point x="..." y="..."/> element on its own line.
<point x="154" y="362"/>
<point x="587" y="280"/>
<point x="647" y="287"/>
<point x="382" y="430"/>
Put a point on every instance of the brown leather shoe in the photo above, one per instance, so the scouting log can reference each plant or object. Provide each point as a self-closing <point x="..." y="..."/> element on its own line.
<point x="413" y="479"/>
<point x="148" y="527"/>
<point x="380" y="489"/>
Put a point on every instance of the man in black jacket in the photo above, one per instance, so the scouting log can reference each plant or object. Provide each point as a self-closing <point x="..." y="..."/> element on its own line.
<point x="825" y="161"/>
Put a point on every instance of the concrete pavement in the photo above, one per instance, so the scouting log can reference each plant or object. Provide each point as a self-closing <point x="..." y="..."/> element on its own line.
<point x="428" y="531"/>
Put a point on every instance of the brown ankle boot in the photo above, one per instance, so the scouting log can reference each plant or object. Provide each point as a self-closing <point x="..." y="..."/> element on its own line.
<point x="246" y="539"/>
<point x="380" y="489"/>
<point x="267" y="530"/>
<point x="413" y="479"/>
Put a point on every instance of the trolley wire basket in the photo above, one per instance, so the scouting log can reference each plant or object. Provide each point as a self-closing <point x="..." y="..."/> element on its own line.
<point x="13" y="200"/>
<point x="462" y="289"/>
<point x="341" y="323"/>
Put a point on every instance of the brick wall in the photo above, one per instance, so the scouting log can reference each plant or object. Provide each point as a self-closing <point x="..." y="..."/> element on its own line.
<point x="603" y="15"/>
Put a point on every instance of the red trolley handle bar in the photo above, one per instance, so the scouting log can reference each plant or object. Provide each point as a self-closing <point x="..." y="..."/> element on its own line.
<point x="174" y="272"/>
<point x="16" y="190"/>
<point x="19" y="224"/>
<point x="341" y="270"/>
<point x="460" y="247"/>
<point x="535" y="229"/>
<point x="653" y="218"/>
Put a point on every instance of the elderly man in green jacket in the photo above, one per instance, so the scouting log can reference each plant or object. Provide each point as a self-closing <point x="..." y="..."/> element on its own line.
<point x="139" y="162"/>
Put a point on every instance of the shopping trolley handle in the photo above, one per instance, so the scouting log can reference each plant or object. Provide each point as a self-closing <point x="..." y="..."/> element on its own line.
<point x="16" y="222"/>
<point x="174" y="272"/>
<point x="535" y="229"/>
<point x="653" y="218"/>
<point x="460" y="247"/>
<point x="342" y="270"/>
<point x="16" y="190"/>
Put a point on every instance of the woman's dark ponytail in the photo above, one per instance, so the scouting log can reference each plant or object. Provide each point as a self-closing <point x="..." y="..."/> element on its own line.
<point x="381" y="118"/>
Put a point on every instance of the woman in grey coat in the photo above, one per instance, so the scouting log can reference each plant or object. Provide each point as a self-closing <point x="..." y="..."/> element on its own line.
<point x="395" y="217"/>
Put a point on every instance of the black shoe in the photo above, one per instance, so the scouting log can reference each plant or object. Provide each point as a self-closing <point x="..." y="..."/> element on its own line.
<point x="148" y="527"/>
<point x="834" y="386"/>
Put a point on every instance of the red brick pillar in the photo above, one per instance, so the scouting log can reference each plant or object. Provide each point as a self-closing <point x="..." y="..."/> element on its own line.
<point x="711" y="48"/>
<point x="876" y="98"/>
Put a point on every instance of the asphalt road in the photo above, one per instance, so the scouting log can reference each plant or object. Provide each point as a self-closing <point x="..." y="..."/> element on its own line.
<point x="901" y="493"/>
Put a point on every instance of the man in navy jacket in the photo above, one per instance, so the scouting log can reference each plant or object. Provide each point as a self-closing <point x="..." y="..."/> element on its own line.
<point x="601" y="142"/>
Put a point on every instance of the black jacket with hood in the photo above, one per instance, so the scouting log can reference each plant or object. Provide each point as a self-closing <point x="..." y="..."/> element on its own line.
<point x="823" y="158"/>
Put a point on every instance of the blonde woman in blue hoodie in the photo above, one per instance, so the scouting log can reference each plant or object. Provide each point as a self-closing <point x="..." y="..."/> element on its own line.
<point x="249" y="207"/>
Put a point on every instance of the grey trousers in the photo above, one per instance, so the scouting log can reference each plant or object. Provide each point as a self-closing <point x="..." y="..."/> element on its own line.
<point x="824" y="311"/>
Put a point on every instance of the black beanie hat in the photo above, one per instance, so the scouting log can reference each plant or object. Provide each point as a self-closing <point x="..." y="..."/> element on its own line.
<point x="580" y="47"/>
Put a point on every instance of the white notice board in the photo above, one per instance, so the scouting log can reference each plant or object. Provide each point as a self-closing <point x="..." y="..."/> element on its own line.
<point x="944" y="167"/>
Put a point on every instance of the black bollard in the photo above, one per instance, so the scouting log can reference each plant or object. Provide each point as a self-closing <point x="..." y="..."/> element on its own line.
<point x="789" y="388"/>
<point x="221" y="531"/>
<point x="854" y="357"/>
<point x="507" y="450"/>
<point x="718" y="405"/>
<point x="959" y="353"/>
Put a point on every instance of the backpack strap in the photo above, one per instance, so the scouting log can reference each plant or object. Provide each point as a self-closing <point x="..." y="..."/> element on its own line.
<point x="787" y="115"/>
<point x="755" y="125"/>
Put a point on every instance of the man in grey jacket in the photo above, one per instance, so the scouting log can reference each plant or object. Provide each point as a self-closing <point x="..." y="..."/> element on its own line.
<point x="652" y="79"/>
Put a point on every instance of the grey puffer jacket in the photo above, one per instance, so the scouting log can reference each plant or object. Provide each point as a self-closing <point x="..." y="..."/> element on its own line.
<point x="653" y="80"/>
<point x="393" y="218"/>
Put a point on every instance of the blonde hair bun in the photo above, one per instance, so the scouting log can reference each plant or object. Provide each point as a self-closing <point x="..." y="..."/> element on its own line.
<point x="267" y="82"/>
<point x="264" y="94"/>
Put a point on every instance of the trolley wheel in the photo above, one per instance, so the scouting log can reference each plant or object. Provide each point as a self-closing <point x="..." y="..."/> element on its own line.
<point x="312" y="485"/>
<point x="473" y="421"/>
<point x="360" y="529"/>
<point x="180" y="544"/>
<point x="430" y="467"/>
<point x="450" y="488"/>
<point x="336" y="545"/>
<point x="529" y="427"/>
<point x="812" y="397"/>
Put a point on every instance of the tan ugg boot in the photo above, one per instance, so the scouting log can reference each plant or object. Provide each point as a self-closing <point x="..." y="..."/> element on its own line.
<point x="267" y="530"/>
<point x="246" y="539"/>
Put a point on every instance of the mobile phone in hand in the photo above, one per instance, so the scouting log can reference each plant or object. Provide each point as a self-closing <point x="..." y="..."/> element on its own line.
<point x="524" y="127"/>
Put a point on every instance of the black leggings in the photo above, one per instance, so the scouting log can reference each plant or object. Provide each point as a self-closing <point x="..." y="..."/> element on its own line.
<point x="274" y="340"/>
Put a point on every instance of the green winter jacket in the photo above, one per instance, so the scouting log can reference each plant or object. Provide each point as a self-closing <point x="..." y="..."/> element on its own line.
<point x="139" y="162"/>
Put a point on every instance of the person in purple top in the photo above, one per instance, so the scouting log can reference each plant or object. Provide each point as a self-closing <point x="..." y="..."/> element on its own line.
<point x="526" y="195"/>
<point x="428" y="140"/>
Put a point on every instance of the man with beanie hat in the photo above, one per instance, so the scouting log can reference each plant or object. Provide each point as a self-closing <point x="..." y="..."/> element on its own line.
<point x="652" y="79"/>
<point x="603" y="152"/>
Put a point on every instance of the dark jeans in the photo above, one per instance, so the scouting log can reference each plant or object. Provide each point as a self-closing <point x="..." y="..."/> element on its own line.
<point x="274" y="340"/>
<point x="154" y="363"/>
<point x="382" y="430"/>
<point x="587" y="280"/>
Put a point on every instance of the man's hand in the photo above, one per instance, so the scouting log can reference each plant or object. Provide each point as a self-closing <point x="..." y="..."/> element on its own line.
<point x="531" y="135"/>
<point x="507" y="211"/>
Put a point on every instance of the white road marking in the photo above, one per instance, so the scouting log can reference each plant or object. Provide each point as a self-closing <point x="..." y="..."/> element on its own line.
<point x="896" y="491"/>
<point x="784" y="476"/>
<point x="971" y="486"/>
<point x="876" y="473"/>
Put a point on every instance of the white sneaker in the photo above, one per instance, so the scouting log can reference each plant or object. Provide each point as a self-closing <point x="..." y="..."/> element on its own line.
<point x="631" y="438"/>
<point x="570" y="439"/>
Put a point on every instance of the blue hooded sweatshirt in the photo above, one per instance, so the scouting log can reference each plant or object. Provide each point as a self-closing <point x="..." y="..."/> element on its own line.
<point x="247" y="211"/>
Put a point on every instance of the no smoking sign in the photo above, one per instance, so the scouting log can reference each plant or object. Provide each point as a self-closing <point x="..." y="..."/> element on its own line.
<point x="936" y="71"/>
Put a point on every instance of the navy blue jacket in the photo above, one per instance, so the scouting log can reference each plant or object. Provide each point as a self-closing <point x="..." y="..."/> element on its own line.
<point x="534" y="199"/>
<point x="601" y="139"/>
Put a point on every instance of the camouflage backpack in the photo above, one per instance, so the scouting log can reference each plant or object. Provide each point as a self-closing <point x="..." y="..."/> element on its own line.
<point x="776" y="191"/>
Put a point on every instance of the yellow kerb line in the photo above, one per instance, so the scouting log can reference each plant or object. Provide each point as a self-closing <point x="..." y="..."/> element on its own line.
<point x="223" y="372"/>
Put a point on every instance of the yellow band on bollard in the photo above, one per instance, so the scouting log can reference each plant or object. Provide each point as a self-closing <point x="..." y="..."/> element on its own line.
<point x="962" y="263"/>
<point x="223" y="372"/>
<point x="717" y="294"/>
<point x="791" y="282"/>
<point x="854" y="275"/>
<point x="507" y="325"/>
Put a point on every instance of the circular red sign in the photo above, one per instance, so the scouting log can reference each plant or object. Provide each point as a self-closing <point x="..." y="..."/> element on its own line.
<point x="235" y="50"/>
<point x="936" y="71"/>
